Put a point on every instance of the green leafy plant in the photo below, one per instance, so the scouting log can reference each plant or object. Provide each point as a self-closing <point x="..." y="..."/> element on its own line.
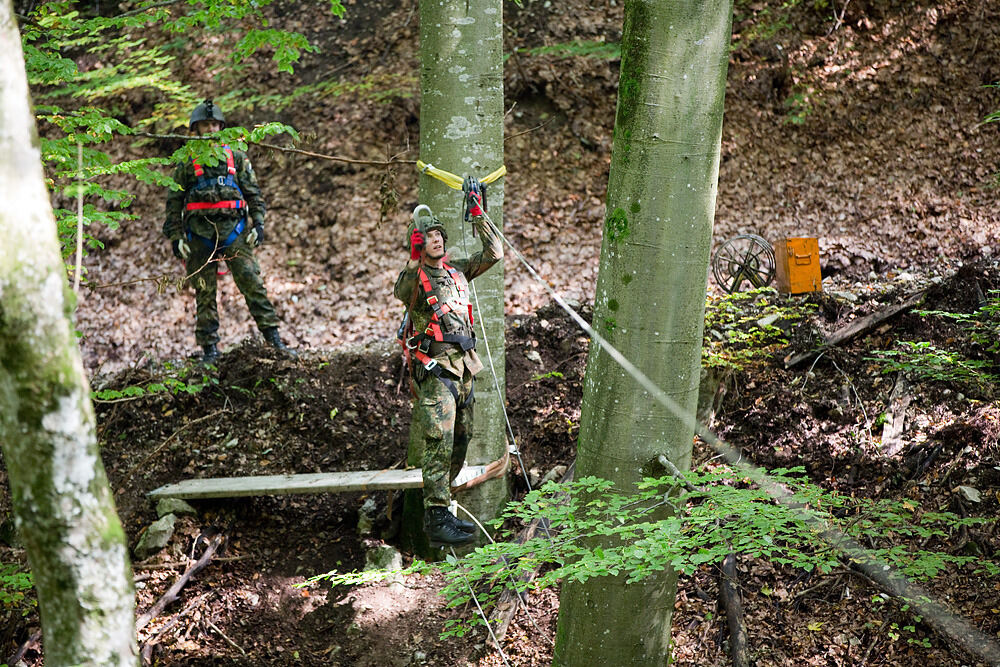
<point x="664" y="525"/>
<point x="177" y="380"/>
<point x="543" y="376"/>
<point x="587" y="49"/>
<point x="743" y="328"/>
<point x="929" y="362"/>
<point x="15" y="587"/>
<point x="982" y="325"/>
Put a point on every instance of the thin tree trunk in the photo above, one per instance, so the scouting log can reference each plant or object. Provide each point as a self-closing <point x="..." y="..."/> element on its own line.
<point x="650" y="299"/>
<point x="63" y="506"/>
<point x="461" y="131"/>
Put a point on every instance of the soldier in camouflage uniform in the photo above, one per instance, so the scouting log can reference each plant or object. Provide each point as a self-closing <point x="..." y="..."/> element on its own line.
<point x="218" y="215"/>
<point x="444" y="360"/>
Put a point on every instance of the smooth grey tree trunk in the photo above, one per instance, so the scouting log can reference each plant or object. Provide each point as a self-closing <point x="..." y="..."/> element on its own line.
<point x="650" y="299"/>
<point x="63" y="507"/>
<point x="461" y="131"/>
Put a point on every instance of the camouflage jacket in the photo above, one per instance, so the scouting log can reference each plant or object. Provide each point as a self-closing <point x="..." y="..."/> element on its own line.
<point x="218" y="222"/>
<point x="449" y="355"/>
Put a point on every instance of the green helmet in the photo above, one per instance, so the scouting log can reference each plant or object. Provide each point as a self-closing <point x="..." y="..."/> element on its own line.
<point x="425" y="221"/>
<point x="207" y="110"/>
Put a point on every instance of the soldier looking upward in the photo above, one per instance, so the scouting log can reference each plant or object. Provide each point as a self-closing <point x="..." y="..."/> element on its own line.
<point x="218" y="215"/>
<point x="435" y="290"/>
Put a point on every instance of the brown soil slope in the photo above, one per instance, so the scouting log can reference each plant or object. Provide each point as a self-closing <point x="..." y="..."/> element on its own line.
<point x="865" y="133"/>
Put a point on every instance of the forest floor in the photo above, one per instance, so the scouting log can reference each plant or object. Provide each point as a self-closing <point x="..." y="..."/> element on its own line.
<point x="864" y="132"/>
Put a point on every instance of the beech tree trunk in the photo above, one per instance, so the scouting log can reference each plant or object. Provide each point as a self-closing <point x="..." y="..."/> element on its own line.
<point x="63" y="507"/>
<point x="461" y="131"/>
<point x="650" y="299"/>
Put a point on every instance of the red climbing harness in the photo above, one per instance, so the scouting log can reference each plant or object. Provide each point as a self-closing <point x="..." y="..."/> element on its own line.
<point x="417" y="345"/>
<point x="229" y="180"/>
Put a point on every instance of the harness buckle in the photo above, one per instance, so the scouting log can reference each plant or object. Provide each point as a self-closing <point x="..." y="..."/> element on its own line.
<point x="221" y="180"/>
<point x="431" y="365"/>
<point x="412" y="343"/>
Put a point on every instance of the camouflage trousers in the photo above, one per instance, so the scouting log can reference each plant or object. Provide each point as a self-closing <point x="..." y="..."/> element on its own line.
<point x="202" y="270"/>
<point x="447" y="427"/>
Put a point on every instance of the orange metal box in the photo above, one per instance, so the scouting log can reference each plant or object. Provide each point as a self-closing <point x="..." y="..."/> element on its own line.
<point x="797" y="266"/>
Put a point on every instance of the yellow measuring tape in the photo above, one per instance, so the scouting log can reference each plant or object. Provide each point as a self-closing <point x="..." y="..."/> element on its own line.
<point x="455" y="182"/>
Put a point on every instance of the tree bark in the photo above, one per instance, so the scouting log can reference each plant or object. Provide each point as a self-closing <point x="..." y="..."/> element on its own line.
<point x="461" y="131"/>
<point x="63" y="507"/>
<point x="650" y="299"/>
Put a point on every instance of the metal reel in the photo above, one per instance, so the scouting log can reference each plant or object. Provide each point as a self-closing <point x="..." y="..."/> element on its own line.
<point x="746" y="257"/>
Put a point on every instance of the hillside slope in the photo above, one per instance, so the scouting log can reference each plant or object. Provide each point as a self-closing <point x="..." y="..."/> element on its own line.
<point x="864" y="133"/>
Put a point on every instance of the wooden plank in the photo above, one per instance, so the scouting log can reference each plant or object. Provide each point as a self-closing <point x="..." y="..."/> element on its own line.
<point x="895" y="416"/>
<point x="858" y="326"/>
<point x="277" y="485"/>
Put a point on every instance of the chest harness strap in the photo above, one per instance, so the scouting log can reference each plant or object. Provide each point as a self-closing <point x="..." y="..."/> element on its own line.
<point x="229" y="180"/>
<point x="419" y="344"/>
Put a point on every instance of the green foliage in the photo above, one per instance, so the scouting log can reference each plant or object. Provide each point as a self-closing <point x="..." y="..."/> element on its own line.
<point x="798" y="107"/>
<point x="982" y="325"/>
<point x="929" y="362"/>
<point x="597" y="531"/>
<point x="82" y="69"/>
<point x="586" y="49"/>
<point x="734" y="333"/>
<point x="15" y="585"/>
<point x="543" y="376"/>
<point x="980" y="337"/>
<point x="176" y="380"/>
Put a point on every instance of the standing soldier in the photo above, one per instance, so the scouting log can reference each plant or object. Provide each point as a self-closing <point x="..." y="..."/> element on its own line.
<point x="218" y="214"/>
<point x="443" y="349"/>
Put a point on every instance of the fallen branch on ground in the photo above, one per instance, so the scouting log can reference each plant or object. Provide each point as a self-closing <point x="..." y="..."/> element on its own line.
<point x="172" y="593"/>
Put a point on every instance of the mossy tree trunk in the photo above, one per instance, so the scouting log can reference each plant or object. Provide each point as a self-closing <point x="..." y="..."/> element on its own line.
<point x="63" y="507"/>
<point x="461" y="131"/>
<point x="650" y="298"/>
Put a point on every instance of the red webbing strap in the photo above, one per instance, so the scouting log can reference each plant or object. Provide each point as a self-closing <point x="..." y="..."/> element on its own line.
<point x="199" y="205"/>
<point x="462" y="286"/>
<point x="199" y="171"/>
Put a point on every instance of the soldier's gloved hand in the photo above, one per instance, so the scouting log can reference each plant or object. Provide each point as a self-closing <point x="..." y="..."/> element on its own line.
<point x="475" y="203"/>
<point x="181" y="248"/>
<point x="416" y="244"/>
<point x="255" y="236"/>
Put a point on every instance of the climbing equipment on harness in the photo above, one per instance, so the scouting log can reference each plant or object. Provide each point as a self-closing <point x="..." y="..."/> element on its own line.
<point x="217" y="183"/>
<point x="475" y="197"/>
<point x="207" y="110"/>
<point x="417" y="345"/>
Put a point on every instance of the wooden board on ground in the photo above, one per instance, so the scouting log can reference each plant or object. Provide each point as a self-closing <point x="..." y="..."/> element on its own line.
<point x="854" y="328"/>
<point x="321" y="482"/>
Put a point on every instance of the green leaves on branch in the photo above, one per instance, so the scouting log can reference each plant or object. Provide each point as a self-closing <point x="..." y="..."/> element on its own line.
<point x="175" y="381"/>
<point x="287" y="47"/>
<point x="595" y="531"/>
<point x="980" y="337"/>
<point x="84" y="70"/>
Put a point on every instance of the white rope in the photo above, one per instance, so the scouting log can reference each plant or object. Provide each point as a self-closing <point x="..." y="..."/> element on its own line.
<point x="510" y="573"/>
<point x="482" y="613"/>
<point x="873" y="567"/>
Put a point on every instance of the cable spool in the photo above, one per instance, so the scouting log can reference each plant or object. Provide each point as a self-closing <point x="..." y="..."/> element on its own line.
<point x="744" y="258"/>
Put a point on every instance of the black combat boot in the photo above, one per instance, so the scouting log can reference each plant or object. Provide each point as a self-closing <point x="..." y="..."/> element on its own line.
<point x="210" y="354"/>
<point x="439" y="524"/>
<point x="464" y="526"/>
<point x="274" y="340"/>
